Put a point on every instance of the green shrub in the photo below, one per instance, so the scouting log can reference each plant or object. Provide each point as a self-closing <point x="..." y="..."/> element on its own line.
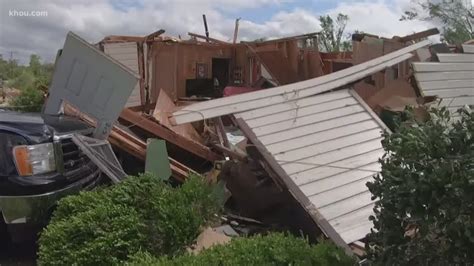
<point x="168" y="220"/>
<point x="29" y="100"/>
<point x="273" y="249"/>
<point x="104" y="235"/>
<point x="424" y="214"/>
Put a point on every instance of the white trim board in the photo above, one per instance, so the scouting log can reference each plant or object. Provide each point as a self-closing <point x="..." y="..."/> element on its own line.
<point x="446" y="84"/>
<point x="253" y="100"/>
<point x="468" y="48"/>
<point x="451" y="75"/>
<point x="456" y="58"/>
<point x="436" y="66"/>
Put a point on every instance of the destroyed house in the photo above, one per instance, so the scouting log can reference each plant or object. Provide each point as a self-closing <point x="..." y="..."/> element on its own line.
<point x="310" y="122"/>
<point x="196" y="67"/>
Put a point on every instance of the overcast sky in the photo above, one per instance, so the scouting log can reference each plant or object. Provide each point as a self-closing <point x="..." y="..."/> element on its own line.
<point x="21" y="36"/>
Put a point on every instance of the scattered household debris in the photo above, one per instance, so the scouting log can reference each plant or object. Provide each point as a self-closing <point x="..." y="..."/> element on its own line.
<point x="208" y="238"/>
<point x="91" y="81"/>
<point x="322" y="145"/>
<point x="157" y="161"/>
<point x="100" y="152"/>
<point x="292" y="133"/>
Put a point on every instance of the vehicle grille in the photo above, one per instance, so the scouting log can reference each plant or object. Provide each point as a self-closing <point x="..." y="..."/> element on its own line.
<point x="73" y="157"/>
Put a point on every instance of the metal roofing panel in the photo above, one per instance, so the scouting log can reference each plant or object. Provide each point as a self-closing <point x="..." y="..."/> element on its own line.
<point x="329" y="146"/>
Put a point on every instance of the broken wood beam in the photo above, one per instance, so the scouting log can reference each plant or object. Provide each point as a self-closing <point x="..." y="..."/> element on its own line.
<point x="120" y="38"/>
<point x="231" y="153"/>
<point x="137" y="148"/>
<point x="141" y="72"/>
<point x="205" y="27"/>
<point x="209" y="38"/>
<point x="151" y="36"/>
<point x="130" y="143"/>
<point x="236" y="30"/>
<point x="170" y="136"/>
<point x="419" y="35"/>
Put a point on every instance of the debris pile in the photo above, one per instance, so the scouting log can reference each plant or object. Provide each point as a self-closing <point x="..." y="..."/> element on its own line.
<point x="293" y="133"/>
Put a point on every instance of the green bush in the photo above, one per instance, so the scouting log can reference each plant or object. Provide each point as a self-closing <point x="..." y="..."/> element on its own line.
<point x="425" y="191"/>
<point x="29" y="100"/>
<point x="273" y="249"/>
<point x="104" y="235"/>
<point x="167" y="220"/>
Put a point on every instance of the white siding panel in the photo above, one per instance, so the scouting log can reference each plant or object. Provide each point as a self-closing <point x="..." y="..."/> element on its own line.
<point x="456" y="58"/>
<point x="345" y="206"/>
<point x="450" y="93"/>
<point x="453" y="75"/>
<point x="330" y="158"/>
<point x="298" y="112"/>
<point x="354" y="219"/>
<point x="282" y="107"/>
<point x="340" y="193"/>
<point x="356" y="233"/>
<point x="307" y="120"/>
<point x="327" y="146"/>
<point x="468" y="48"/>
<point x="364" y="162"/>
<point x="442" y="67"/>
<point x="458" y="101"/>
<point x="126" y="54"/>
<point x="446" y="84"/>
<point x="336" y="180"/>
<point x="322" y="136"/>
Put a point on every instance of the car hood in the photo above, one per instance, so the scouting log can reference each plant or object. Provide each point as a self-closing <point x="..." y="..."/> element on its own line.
<point x="38" y="128"/>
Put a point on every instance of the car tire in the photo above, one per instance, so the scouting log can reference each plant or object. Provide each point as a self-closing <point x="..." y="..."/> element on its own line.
<point x="4" y="235"/>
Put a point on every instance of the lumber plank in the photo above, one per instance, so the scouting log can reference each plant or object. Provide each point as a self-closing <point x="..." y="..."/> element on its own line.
<point x="169" y="135"/>
<point x="248" y="101"/>
<point x="419" y="35"/>
<point x="130" y="144"/>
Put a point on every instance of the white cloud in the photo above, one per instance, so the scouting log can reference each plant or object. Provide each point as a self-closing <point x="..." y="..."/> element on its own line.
<point x="380" y="17"/>
<point x="94" y="19"/>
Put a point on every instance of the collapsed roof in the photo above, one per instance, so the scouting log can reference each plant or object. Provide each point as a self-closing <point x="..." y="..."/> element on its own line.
<point x="324" y="144"/>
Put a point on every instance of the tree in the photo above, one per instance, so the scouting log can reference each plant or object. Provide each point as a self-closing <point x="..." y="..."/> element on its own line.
<point x="330" y="39"/>
<point x="456" y="17"/>
<point x="35" y="64"/>
<point x="424" y="213"/>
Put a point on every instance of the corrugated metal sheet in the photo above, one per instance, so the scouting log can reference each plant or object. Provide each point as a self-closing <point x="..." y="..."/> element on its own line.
<point x="451" y="79"/>
<point x="329" y="145"/>
<point x="126" y="53"/>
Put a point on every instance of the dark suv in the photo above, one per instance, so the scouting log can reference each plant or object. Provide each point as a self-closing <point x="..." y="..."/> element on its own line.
<point x="39" y="164"/>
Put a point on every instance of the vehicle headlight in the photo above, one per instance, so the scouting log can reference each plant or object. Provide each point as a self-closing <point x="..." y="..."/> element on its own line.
<point x="34" y="159"/>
